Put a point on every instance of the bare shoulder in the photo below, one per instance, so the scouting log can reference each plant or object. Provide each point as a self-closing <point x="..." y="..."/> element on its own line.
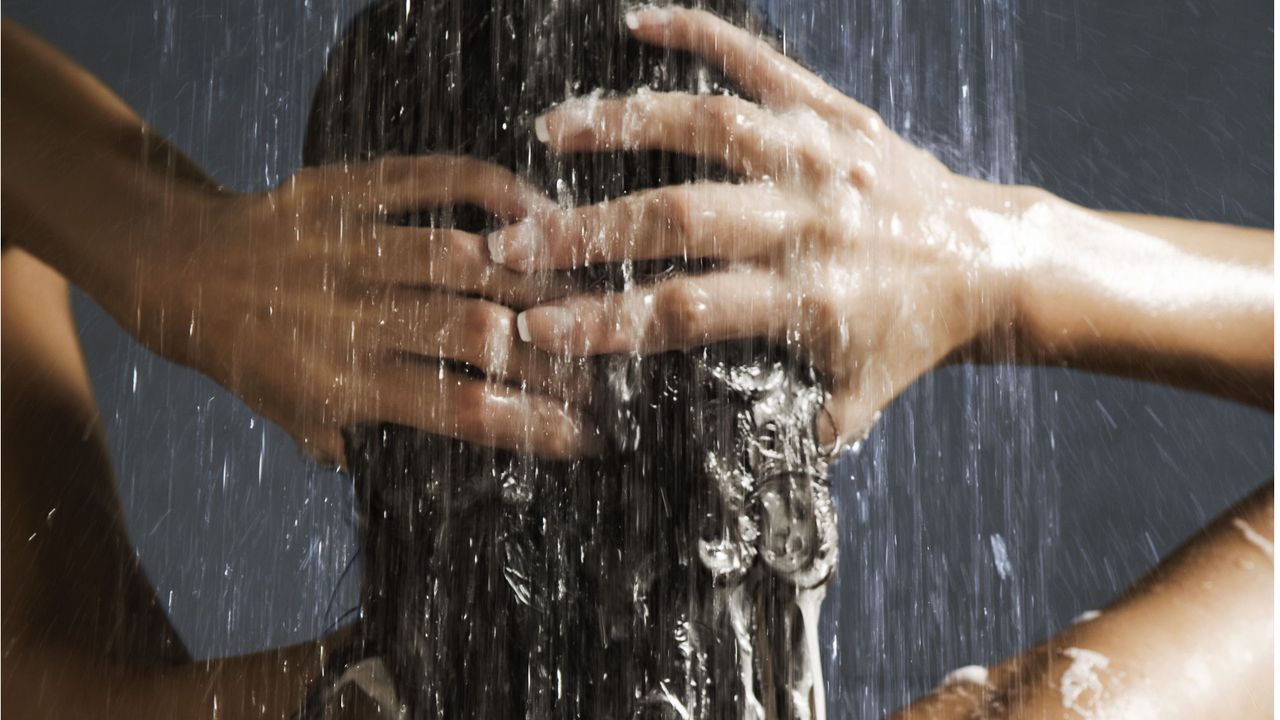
<point x="83" y="633"/>
<point x="1191" y="640"/>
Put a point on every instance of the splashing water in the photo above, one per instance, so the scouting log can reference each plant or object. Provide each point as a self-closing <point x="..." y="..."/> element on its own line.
<point x="197" y="469"/>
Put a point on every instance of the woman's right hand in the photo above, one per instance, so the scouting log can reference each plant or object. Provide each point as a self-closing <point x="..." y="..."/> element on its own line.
<point x="841" y="240"/>
<point x="867" y="255"/>
<point x="320" y="314"/>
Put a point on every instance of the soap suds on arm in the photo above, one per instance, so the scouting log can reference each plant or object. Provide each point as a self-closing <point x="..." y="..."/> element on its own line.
<point x="1083" y="678"/>
<point x="1254" y="537"/>
<point x="967" y="675"/>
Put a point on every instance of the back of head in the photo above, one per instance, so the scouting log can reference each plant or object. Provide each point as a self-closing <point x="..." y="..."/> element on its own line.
<point x="646" y="582"/>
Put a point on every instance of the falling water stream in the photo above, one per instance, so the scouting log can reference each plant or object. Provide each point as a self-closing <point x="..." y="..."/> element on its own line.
<point x="972" y="520"/>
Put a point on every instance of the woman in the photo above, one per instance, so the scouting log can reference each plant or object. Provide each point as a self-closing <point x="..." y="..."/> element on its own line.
<point x="679" y="571"/>
<point x="146" y="680"/>
<point x="833" y="247"/>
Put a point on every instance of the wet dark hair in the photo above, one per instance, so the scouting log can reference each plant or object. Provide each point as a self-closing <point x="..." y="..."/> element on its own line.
<point x="635" y="584"/>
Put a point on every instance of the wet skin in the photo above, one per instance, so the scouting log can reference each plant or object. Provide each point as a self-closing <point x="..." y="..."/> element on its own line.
<point x="869" y="257"/>
<point x="1192" y="641"/>
<point x="306" y="301"/>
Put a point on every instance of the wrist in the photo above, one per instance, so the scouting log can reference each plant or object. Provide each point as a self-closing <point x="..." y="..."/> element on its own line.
<point x="1014" y="229"/>
<point x="147" y="270"/>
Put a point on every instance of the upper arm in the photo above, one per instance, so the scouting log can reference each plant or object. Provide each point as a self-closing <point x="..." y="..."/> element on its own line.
<point x="1192" y="640"/>
<point x="72" y="582"/>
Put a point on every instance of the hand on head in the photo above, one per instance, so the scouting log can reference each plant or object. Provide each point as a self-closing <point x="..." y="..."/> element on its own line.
<point x="307" y="303"/>
<point x="841" y="239"/>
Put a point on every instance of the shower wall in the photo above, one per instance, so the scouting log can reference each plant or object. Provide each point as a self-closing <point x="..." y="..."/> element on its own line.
<point x="986" y="510"/>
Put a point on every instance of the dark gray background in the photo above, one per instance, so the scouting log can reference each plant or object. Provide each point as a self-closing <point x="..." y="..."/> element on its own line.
<point x="1143" y="105"/>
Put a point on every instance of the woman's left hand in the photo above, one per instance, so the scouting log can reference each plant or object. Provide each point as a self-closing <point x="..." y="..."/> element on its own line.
<point x="843" y="240"/>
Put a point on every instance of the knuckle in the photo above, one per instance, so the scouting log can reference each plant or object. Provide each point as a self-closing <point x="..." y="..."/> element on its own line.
<point x="820" y="312"/>
<point x="675" y="211"/>
<point x="872" y="125"/>
<point x="681" y="311"/>
<point x="812" y="161"/>
<point x="488" y="341"/>
<point x="817" y="229"/>
<point x="513" y="290"/>
<point x="863" y="174"/>
<point x="723" y="110"/>
<point x="488" y="323"/>
<point x="458" y="256"/>
<point x="474" y="408"/>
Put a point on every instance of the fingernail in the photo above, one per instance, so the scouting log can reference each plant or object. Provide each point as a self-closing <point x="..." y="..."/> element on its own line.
<point x="573" y="116"/>
<point x="651" y="16"/>
<point x="547" y="326"/>
<point x="494" y="241"/>
<point x="515" y="245"/>
<point x="522" y="326"/>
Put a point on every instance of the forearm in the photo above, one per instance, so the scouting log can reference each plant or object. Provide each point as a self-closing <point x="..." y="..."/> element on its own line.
<point x="83" y="176"/>
<point x="45" y="681"/>
<point x="1175" y="301"/>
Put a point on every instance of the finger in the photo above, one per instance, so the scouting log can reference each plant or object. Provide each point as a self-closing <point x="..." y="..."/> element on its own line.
<point x="766" y="74"/>
<point x="705" y="220"/>
<point x="452" y="260"/>
<point x="557" y="377"/>
<point x="476" y="332"/>
<point x="854" y="408"/>
<point x="456" y="406"/>
<point x="324" y="444"/>
<point x="671" y="315"/>
<point x="411" y="182"/>
<point x="404" y="183"/>
<point x="745" y="138"/>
